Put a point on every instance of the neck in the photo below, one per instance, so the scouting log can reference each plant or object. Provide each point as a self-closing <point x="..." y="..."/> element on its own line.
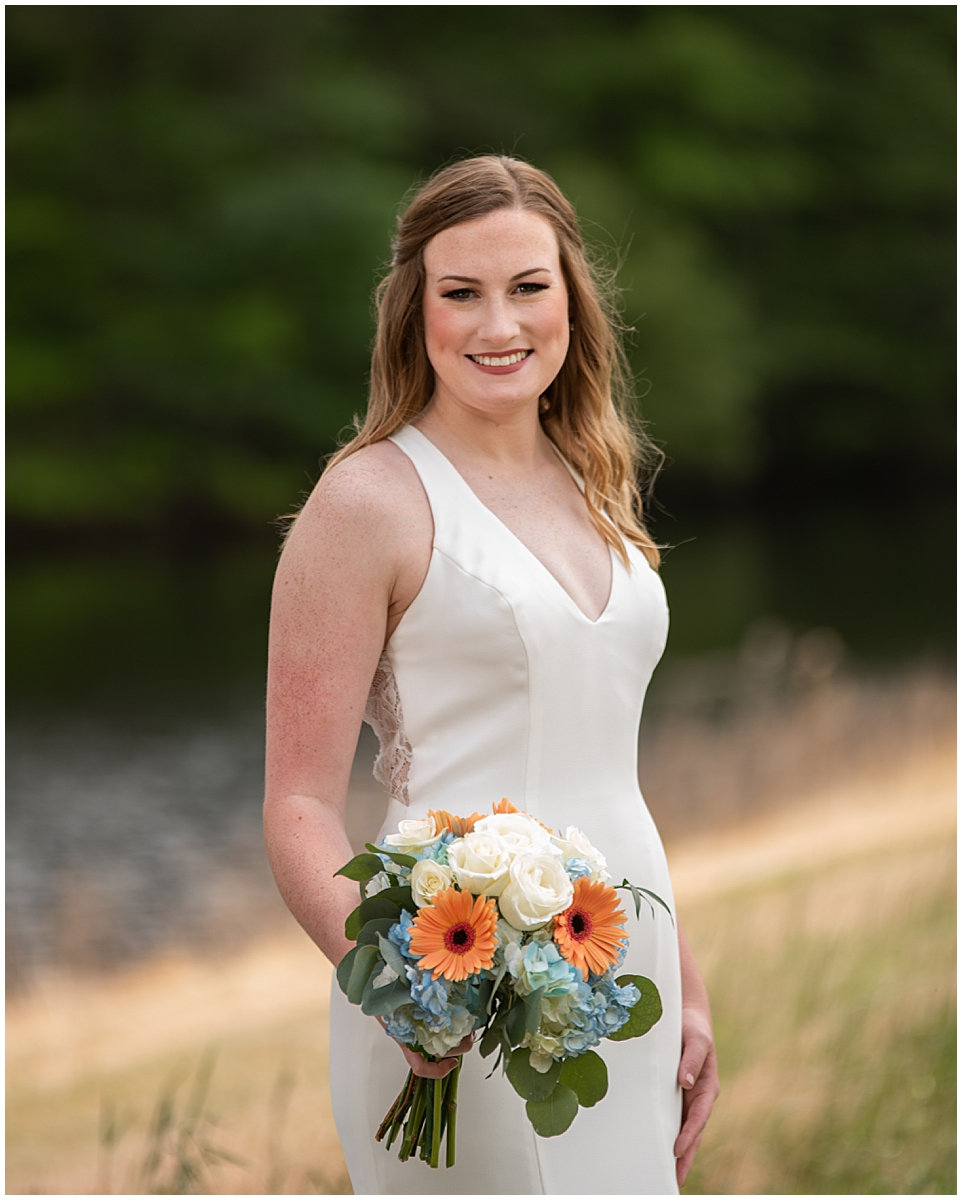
<point x="513" y="439"/>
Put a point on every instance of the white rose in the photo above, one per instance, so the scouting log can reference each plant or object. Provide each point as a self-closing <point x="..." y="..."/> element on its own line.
<point x="427" y="879"/>
<point x="480" y="863"/>
<point x="574" y="844"/>
<point x="517" y="832"/>
<point x="538" y="889"/>
<point x="412" y="835"/>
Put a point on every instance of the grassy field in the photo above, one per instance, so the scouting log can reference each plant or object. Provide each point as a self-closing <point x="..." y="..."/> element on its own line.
<point x="826" y="933"/>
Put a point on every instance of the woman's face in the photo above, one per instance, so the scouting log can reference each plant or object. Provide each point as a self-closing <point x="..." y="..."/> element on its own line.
<point x="495" y="312"/>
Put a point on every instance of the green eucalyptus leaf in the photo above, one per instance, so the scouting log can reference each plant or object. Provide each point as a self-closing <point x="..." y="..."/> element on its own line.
<point x="532" y="1010"/>
<point x="402" y="860"/>
<point x="645" y="1012"/>
<point x="486" y="990"/>
<point x="553" y="1116"/>
<point x="529" y="1083"/>
<point x="490" y="1039"/>
<point x="378" y="1001"/>
<point x="383" y="904"/>
<point x="375" y="928"/>
<point x="365" y="961"/>
<point x="392" y="956"/>
<point x="362" y="867"/>
<point x="496" y="983"/>
<point x="344" y="968"/>
<point x="515" y="1024"/>
<point x="587" y="1076"/>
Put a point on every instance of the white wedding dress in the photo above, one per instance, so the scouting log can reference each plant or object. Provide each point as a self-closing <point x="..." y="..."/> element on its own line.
<point x="496" y="684"/>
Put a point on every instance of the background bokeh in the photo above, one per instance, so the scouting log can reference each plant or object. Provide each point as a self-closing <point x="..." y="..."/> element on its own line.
<point x="199" y="203"/>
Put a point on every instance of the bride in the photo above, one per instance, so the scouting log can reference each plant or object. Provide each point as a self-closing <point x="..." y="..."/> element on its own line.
<point x="473" y="574"/>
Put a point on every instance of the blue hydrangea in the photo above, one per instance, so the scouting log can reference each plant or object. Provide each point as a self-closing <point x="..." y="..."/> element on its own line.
<point x="541" y="965"/>
<point x="616" y="1001"/>
<point x="398" y="1024"/>
<point x="437" y="851"/>
<point x="577" y="1041"/>
<point x="577" y="868"/>
<point x="429" y="994"/>
<point x="400" y="934"/>
<point x="454" y="1016"/>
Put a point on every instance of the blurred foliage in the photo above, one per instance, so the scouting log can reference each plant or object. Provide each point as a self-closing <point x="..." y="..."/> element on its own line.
<point x="199" y="199"/>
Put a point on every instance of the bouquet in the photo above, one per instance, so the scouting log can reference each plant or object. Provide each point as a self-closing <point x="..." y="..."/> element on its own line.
<point x="499" y="924"/>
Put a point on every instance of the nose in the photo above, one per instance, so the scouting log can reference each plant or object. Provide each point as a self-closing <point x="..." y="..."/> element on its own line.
<point x="499" y="324"/>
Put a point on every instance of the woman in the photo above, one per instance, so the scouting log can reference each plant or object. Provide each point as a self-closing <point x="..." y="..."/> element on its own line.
<point x="473" y="574"/>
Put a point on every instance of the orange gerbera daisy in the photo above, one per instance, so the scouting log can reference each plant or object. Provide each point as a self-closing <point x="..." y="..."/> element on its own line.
<point x="588" y="932"/>
<point x="445" y="822"/>
<point x="455" y="935"/>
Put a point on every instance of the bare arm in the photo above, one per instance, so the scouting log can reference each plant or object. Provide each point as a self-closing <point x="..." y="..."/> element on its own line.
<point x="336" y="591"/>
<point x="352" y="564"/>
<point x="698" y="1070"/>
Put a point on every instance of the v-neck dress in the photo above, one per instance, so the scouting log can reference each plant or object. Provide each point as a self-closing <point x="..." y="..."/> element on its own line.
<point x="495" y="683"/>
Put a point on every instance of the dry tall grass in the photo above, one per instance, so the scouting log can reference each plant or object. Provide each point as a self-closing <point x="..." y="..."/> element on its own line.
<point x="825" y="928"/>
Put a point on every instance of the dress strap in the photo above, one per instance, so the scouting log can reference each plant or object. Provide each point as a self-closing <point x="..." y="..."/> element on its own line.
<point x="447" y="492"/>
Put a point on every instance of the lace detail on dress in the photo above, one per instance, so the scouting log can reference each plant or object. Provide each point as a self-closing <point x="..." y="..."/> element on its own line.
<point x="392" y="767"/>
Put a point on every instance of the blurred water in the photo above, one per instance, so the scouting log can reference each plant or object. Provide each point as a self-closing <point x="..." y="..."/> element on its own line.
<point x="135" y="713"/>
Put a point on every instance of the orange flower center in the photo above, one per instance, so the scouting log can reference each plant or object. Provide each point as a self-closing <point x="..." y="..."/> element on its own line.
<point x="459" y="939"/>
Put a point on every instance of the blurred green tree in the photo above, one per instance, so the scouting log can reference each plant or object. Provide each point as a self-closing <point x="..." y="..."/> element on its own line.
<point x="199" y="199"/>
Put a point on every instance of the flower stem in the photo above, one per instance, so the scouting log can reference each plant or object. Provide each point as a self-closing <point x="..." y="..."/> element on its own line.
<point x="451" y="1111"/>
<point x="439" y="1089"/>
<point x="395" y="1113"/>
<point x="415" y="1121"/>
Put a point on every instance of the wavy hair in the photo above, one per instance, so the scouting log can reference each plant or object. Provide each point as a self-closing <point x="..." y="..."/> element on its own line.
<point x="588" y="402"/>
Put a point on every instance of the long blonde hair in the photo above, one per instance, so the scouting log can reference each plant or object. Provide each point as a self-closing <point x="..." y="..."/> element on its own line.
<point x="589" y="400"/>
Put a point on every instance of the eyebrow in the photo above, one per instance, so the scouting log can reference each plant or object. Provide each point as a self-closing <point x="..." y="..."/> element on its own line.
<point x="470" y="279"/>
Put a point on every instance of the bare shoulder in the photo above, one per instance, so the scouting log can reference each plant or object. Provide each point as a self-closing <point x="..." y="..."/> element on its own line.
<point x="366" y="529"/>
<point x="374" y="494"/>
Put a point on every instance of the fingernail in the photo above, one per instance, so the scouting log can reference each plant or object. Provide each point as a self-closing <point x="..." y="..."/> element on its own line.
<point x="690" y="1080"/>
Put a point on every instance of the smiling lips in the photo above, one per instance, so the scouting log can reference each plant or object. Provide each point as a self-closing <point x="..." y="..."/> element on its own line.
<point x="500" y="360"/>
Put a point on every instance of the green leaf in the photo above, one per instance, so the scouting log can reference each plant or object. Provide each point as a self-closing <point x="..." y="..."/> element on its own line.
<point x="392" y="955"/>
<point x="502" y="971"/>
<point x="553" y="1116"/>
<point x="402" y="860"/>
<point x="491" y="1038"/>
<point x="383" y="904"/>
<point x="529" y="1083"/>
<point x="587" y="1076"/>
<point x="636" y="895"/>
<point x="515" y="1024"/>
<point x="378" y="1001"/>
<point x="486" y="990"/>
<point x="344" y="968"/>
<point x="365" y="960"/>
<point x="362" y="867"/>
<point x="532" y="1010"/>
<point x="375" y="928"/>
<point x="645" y="1012"/>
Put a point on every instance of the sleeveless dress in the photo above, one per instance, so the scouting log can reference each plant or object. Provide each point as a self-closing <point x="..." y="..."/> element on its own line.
<point x="495" y="683"/>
